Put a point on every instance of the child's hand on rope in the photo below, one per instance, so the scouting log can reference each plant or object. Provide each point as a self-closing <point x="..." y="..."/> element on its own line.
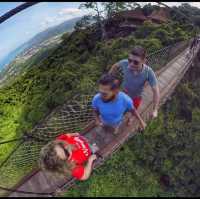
<point x="58" y="192"/>
<point x="142" y="128"/>
<point x="92" y="158"/>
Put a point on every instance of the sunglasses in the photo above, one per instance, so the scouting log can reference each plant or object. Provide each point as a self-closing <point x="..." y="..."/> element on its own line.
<point x="135" y="62"/>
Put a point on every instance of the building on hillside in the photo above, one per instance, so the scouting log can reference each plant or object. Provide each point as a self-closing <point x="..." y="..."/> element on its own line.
<point x="123" y="23"/>
<point x="126" y="22"/>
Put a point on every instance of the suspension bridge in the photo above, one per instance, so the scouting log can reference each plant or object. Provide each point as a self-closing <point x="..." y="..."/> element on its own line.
<point x="19" y="172"/>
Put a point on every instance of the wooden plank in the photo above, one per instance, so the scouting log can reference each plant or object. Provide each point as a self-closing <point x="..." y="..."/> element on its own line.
<point x="175" y="69"/>
<point x="170" y="73"/>
<point x="166" y="77"/>
<point x="162" y="84"/>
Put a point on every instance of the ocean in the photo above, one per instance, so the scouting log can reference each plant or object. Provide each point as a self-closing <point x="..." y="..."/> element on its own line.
<point x="11" y="56"/>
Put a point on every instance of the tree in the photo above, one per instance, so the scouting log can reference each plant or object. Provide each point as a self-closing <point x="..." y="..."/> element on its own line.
<point x="132" y="5"/>
<point x="148" y="9"/>
<point x="144" y="30"/>
<point x="163" y="35"/>
<point x="103" y="11"/>
<point x="97" y="16"/>
<point x="84" y="22"/>
<point x="197" y="20"/>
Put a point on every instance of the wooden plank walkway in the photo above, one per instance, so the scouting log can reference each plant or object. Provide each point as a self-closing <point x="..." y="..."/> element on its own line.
<point x="107" y="141"/>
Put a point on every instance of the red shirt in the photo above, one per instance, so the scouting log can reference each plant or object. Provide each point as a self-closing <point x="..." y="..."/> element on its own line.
<point x="80" y="154"/>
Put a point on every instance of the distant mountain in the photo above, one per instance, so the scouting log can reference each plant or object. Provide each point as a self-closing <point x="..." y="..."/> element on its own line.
<point x="66" y="26"/>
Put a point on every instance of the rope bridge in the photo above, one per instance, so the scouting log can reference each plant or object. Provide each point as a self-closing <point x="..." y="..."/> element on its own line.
<point x="74" y="116"/>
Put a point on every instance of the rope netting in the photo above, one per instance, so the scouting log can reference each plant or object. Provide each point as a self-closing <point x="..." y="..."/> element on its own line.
<point x="160" y="58"/>
<point x="72" y="116"/>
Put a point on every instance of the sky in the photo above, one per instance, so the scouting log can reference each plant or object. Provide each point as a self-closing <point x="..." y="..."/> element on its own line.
<point x="26" y="24"/>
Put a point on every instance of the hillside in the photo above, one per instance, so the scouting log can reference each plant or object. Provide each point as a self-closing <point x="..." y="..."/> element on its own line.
<point x="66" y="26"/>
<point x="44" y="40"/>
<point x="9" y="58"/>
<point x="25" y="59"/>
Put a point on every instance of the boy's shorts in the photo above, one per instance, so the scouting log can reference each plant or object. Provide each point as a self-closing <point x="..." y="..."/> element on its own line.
<point x="137" y="101"/>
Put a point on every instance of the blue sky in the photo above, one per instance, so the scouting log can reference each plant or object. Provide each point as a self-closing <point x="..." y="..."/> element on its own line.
<point x="26" y="24"/>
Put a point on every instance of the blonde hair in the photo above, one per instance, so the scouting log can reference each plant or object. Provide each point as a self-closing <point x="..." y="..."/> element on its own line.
<point x="50" y="162"/>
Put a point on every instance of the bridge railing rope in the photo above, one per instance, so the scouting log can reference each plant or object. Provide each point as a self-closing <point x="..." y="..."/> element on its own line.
<point x="70" y="117"/>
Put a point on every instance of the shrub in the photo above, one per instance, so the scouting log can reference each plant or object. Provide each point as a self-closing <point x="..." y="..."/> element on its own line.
<point x="145" y="30"/>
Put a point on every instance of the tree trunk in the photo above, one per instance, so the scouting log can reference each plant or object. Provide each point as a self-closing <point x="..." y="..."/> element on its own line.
<point x="103" y="31"/>
<point x="101" y="24"/>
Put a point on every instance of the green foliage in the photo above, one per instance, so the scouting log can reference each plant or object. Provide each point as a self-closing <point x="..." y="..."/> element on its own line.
<point x="145" y="30"/>
<point x="162" y="35"/>
<point x="65" y="36"/>
<point x="148" y="9"/>
<point x="84" y="22"/>
<point x="186" y="14"/>
<point x="55" y="75"/>
<point x="152" y="44"/>
<point x="179" y="35"/>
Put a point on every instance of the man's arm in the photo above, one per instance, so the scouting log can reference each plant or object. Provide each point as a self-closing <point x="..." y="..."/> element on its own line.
<point x="156" y="100"/>
<point x="156" y="93"/>
<point x="114" y="68"/>
<point x="137" y="115"/>
<point x="88" y="167"/>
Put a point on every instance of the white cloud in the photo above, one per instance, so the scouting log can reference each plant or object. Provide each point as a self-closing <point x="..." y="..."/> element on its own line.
<point x="61" y="16"/>
<point x="196" y="4"/>
<point x="70" y="11"/>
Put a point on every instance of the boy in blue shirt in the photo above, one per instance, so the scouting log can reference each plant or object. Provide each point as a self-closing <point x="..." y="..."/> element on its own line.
<point x="110" y="104"/>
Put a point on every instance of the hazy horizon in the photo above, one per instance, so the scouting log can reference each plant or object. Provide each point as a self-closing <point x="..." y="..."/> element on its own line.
<point x="9" y="57"/>
<point x="26" y="24"/>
